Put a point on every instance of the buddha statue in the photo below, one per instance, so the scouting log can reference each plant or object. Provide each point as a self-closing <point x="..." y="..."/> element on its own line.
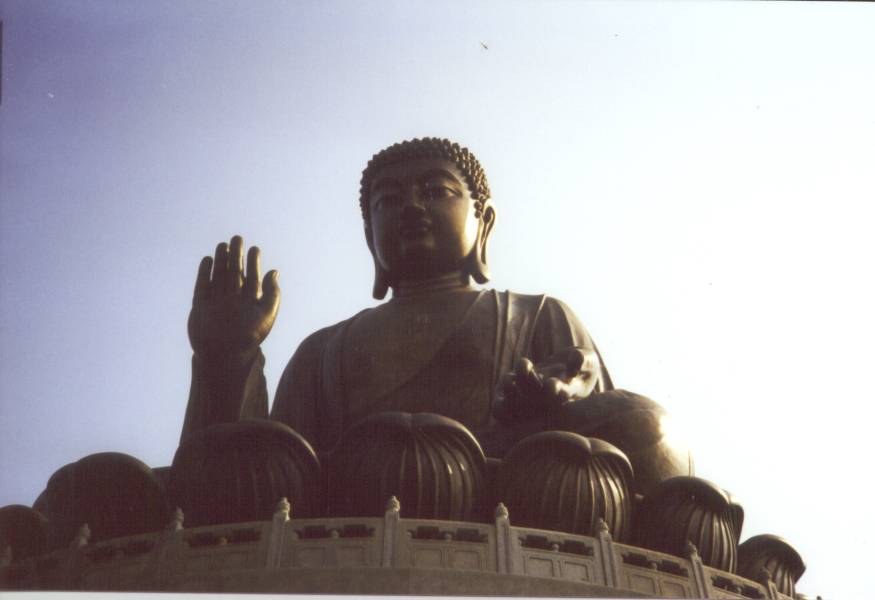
<point x="448" y="402"/>
<point x="504" y="365"/>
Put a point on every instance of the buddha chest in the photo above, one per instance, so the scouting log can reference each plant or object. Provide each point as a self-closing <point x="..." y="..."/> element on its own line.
<point x="422" y="354"/>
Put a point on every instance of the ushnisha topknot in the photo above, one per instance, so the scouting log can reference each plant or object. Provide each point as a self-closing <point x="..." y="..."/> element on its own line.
<point x="427" y="147"/>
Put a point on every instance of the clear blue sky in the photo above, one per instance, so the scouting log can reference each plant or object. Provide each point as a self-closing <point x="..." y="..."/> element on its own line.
<point x="694" y="179"/>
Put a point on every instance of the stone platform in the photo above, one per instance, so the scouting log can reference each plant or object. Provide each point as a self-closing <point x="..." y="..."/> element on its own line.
<point x="377" y="555"/>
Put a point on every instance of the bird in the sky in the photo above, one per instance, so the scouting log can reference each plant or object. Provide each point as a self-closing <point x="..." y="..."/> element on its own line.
<point x="485" y="47"/>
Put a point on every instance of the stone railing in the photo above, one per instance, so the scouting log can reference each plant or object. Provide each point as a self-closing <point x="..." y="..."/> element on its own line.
<point x="313" y="555"/>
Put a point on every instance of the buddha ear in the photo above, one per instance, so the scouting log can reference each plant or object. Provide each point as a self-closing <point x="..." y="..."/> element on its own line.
<point x="381" y="281"/>
<point x="477" y="265"/>
<point x="381" y="277"/>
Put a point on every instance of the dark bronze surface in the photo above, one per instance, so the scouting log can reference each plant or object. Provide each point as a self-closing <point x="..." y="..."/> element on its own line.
<point x="431" y="463"/>
<point x="113" y="493"/>
<point x="449" y="397"/>
<point x="634" y="424"/>
<point x="689" y="509"/>
<point x="563" y="481"/>
<point x="779" y="559"/>
<point x="504" y="365"/>
<point x="235" y="472"/>
<point x="24" y="530"/>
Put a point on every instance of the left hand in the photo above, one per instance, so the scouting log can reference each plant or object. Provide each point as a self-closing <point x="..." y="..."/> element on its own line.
<point x="538" y="389"/>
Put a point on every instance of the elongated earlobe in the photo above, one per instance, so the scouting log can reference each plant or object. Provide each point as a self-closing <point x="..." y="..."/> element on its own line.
<point x="381" y="277"/>
<point x="381" y="281"/>
<point x="477" y="266"/>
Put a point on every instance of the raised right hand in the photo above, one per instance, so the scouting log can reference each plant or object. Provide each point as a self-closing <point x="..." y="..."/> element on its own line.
<point x="230" y="316"/>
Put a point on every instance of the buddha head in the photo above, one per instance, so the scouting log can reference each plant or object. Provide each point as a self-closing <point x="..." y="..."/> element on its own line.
<point x="426" y="211"/>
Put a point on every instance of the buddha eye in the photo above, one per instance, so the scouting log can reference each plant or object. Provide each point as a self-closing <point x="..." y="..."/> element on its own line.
<point x="385" y="199"/>
<point x="437" y="191"/>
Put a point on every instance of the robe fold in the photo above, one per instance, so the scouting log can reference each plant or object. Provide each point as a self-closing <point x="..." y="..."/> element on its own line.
<point x="442" y="354"/>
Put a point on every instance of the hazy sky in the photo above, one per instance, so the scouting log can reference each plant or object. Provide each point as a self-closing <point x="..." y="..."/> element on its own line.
<point x="694" y="179"/>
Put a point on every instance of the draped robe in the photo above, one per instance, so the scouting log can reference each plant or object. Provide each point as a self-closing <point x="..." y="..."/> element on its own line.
<point x="444" y="353"/>
<point x="441" y="352"/>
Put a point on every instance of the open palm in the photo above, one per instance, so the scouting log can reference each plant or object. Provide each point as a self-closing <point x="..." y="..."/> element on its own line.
<point x="232" y="311"/>
<point x="535" y="390"/>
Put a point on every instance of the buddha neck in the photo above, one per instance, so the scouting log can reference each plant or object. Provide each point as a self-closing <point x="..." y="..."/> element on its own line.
<point x="458" y="281"/>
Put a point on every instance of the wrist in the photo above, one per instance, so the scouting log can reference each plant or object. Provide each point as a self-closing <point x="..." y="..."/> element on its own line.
<point x="227" y="358"/>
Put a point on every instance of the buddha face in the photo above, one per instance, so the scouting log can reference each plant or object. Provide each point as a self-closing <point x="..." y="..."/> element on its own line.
<point x="423" y="219"/>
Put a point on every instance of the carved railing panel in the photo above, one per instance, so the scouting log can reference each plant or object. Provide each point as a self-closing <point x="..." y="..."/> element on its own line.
<point x="433" y="544"/>
<point x="559" y="555"/>
<point x="167" y="560"/>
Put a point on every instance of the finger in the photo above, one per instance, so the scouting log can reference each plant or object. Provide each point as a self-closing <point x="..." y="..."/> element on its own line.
<point x="553" y="386"/>
<point x="524" y="368"/>
<point x="523" y="364"/>
<point x="220" y="267"/>
<point x="527" y="376"/>
<point x="575" y="361"/>
<point x="582" y="385"/>
<point x="271" y="288"/>
<point x="252" y="284"/>
<point x="234" y="280"/>
<point x="557" y="392"/>
<point x="202" y="283"/>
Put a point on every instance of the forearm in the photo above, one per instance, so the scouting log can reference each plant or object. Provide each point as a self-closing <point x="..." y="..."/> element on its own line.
<point x="231" y="315"/>
<point x="225" y="391"/>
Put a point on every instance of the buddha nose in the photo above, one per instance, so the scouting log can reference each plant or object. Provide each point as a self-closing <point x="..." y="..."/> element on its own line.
<point x="413" y="201"/>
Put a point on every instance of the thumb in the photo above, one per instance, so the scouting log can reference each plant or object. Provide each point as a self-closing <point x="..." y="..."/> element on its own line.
<point x="270" y="287"/>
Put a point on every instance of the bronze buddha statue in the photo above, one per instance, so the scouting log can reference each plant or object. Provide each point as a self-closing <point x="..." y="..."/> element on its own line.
<point x="505" y="365"/>
<point x="405" y="404"/>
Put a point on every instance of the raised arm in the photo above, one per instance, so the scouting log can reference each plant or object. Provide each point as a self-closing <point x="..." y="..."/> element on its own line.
<point x="232" y="312"/>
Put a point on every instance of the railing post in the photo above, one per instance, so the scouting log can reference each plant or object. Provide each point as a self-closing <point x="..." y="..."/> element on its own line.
<point x="172" y="534"/>
<point x="176" y="524"/>
<point x="610" y="568"/>
<point x="700" y="578"/>
<point x="281" y="516"/>
<point x="83" y="535"/>
<point x="507" y="555"/>
<point x="390" y="532"/>
<point x="73" y="566"/>
<point x="768" y="583"/>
